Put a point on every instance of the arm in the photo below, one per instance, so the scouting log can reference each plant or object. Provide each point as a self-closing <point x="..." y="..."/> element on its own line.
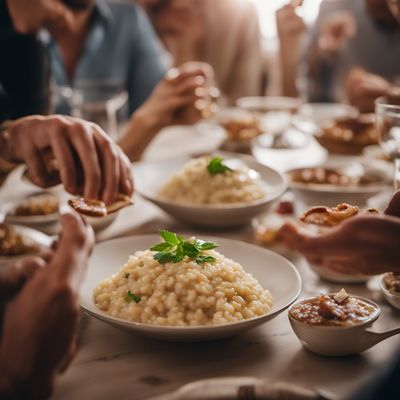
<point x="365" y="244"/>
<point x="68" y="150"/>
<point x="162" y="109"/>
<point x="41" y="319"/>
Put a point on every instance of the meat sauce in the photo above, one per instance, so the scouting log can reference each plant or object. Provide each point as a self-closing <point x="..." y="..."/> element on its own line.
<point x="337" y="309"/>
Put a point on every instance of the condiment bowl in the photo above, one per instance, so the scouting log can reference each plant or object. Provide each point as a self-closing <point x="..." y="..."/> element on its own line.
<point x="150" y="176"/>
<point x="392" y="298"/>
<point x="339" y="340"/>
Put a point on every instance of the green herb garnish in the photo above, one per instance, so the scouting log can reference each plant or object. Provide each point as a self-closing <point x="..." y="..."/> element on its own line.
<point x="176" y="248"/>
<point x="132" y="297"/>
<point x="217" y="166"/>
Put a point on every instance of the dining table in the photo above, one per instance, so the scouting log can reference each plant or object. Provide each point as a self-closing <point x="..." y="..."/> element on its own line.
<point x="115" y="364"/>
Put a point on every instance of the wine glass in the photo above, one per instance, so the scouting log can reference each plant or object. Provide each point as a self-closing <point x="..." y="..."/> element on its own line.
<point x="388" y="127"/>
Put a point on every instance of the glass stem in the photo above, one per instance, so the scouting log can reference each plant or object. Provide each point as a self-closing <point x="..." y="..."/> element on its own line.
<point x="397" y="174"/>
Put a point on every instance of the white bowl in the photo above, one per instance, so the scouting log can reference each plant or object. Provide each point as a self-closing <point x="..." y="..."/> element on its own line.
<point x="150" y="176"/>
<point x="392" y="298"/>
<point x="265" y="104"/>
<point x="330" y="195"/>
<point x="34" y="221"/>
<point x="39" y="238"/>
<point x="272" y="271"/>
<point x="336" y="340"/>
<point x="337" y="277"/>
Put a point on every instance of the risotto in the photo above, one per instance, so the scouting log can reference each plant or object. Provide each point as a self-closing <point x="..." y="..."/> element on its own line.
<point x="197" y="183"/>
<point x="214" y="291"/>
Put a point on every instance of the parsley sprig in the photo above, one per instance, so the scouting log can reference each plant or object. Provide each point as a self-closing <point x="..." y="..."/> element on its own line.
<point x="175" y="248"/>
<point x="217" y="166"/>
<point x="132" y="297"/>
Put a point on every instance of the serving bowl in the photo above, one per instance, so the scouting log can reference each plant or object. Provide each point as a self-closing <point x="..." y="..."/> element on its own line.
<point x="271" y="270"/>
<point x="151" y="175"/>
<point x="32" y="235"/>
<point x="330" y="275"/>
<point x="339" y="340"/>
<point x="331" y="195"/>
<point x="392" y="298"/>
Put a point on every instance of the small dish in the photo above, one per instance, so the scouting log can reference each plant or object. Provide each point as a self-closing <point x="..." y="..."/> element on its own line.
<point x="271" y="270"/>
<point x="35" y="221"/>
<point x="339" y="340"/>
<point x="312" y="193"/>
<point x="240" y="127"/>
<point x="150" y="176"/>
<point x="391" y="297"/>
<point x="33" y="237"/>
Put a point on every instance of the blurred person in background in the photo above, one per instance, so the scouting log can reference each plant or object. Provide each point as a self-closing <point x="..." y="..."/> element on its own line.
<point x="111" y="41"/>
<point x="223" y="33"/>
<point x="353" y="52"/>
<point x="291" y="29"/>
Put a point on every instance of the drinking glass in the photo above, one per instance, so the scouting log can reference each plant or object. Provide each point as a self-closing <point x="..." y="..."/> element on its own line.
<point x="98" y="101"/>
<point x="388" y="127"/>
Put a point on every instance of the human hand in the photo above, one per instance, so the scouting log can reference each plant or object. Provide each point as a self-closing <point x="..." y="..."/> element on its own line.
<point x="363" y="88"/>
<point x="40" y="322"/>
<point x="74" y="151"/>
<point x="288" y="23"/>
<point x="365" y="244"/>
<point x="28" y="16"/>
<point x="335" y="32"/>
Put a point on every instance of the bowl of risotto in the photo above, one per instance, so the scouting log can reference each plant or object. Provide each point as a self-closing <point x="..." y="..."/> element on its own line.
<point x="185" y="288"/>
<point x="211" y="191"/>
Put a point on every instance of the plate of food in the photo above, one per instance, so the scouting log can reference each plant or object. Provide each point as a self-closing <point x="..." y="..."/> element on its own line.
<point x="348" y="136"/>
<point x="18" y="241"/>
<point x="320" y="220"/>
<point x="187" y="288"/>
<point x="240" y="127"/>
<point x="211" y="191"/>
<point x="338" y="181"/>
<point x="35" y="210"/>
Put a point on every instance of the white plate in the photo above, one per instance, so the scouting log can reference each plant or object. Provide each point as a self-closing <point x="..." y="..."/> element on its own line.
<point x="39" y="238"/>
<point x="151" y="176"/>
<point x="33" y="221"/>
<point x="272" y="271"/>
